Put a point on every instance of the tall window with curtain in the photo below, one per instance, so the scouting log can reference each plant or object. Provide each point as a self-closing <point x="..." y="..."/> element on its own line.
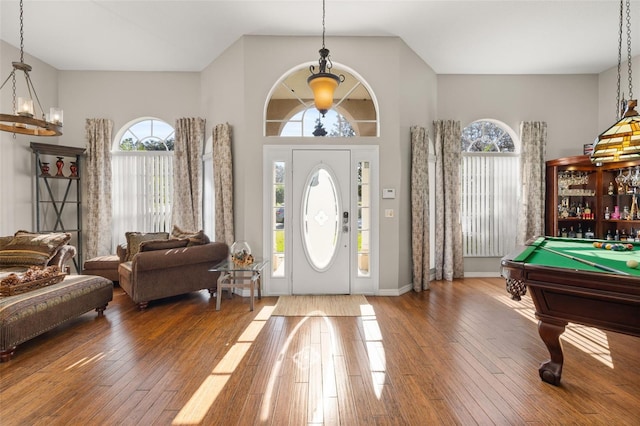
<point x="142" y="170"/>
<point x="490" y="189"/>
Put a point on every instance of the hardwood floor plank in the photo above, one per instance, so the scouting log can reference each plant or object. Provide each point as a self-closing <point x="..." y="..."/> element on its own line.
<point x="461" y="353"/>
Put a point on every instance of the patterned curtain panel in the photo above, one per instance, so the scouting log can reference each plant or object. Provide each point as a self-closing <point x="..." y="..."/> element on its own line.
<point x="187" y="173"/>
<point x="223" y="181"/>
<point x="420" y="207"/>
<point x="97" y="176"/>
<point x="533" y="135"/>
<point x="448" y="256"/>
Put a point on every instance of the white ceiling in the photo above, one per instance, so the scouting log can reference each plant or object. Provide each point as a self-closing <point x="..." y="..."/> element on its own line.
<point x="453" y="37"/>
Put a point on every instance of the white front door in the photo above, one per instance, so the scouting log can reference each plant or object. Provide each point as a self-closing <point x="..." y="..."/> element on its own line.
<point x="321" y="222"/>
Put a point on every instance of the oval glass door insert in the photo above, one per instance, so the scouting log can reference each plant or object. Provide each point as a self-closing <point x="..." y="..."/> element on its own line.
<point x="320" y="218"/>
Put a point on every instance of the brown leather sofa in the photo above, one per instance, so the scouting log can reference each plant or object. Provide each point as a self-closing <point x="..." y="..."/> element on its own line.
<point x="156" y="274"/>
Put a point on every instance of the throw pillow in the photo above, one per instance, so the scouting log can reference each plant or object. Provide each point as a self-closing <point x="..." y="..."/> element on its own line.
<point x="32" y="249"/>
<point x="152" y="245"/>
<point x="135" y="238"/>
<point x="195" y="238"/>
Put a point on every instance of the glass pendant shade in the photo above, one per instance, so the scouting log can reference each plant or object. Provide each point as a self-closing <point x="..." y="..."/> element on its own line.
<point x="323" y="86"/>
<point x="620" y="142"/>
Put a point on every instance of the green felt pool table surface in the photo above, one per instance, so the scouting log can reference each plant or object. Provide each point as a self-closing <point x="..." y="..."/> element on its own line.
<point x="566" y="290"/>
<point x="536" y="253"/>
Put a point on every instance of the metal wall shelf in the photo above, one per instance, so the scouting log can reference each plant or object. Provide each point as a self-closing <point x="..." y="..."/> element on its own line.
<point x="62" y="193"/>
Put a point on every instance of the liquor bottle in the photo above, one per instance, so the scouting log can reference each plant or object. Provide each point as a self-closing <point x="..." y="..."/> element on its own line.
<point x="589" y="234"/>
<point x="572" y="233"/>
<point x="609" y="237"/>
<point x="610" y="189"/>
<point x="633" y="213"/>
<point x="607" y="214"/>
<point x="625" y="213"/>
<point x="563" y="233"/>
<point x="587" y="211"/>
<point x="579" y="231"/>
<point x="623" y="235"/>
<point x="616" y="213"/>
<point x="616" y="236"/>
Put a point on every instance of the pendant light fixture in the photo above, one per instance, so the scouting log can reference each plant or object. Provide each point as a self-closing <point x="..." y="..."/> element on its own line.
<point x="323" y="83"/>
<point x="621" y="142"/>
<point x="24" y="119"/>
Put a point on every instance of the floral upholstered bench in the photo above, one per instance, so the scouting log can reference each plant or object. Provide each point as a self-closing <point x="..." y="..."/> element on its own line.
<point x="27" y="315"/>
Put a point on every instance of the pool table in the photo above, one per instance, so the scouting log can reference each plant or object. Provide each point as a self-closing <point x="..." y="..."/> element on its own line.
<point x="570" y="280"/>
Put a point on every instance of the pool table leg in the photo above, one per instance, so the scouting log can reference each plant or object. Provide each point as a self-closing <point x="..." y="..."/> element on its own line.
<point x="551" y="370"/>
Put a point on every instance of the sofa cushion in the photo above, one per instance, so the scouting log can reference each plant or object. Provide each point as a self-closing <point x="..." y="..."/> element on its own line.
<point x="195" y="238"/>
<point x="172" y="243"/>
<point x="32" y="249"/>
<point x="135" y="238"/>
<point x="5" y="240"/>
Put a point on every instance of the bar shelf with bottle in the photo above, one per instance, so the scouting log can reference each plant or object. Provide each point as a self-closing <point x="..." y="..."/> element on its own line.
<point x="588" y="201"/>
<point x="621" y="217"/>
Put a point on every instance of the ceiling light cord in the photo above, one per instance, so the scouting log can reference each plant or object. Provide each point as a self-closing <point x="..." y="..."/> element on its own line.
<point x="21" y="34"/>
<point x="323" y="29"/>
<point x="618" y="104"/>
<point x="629" y="47"/>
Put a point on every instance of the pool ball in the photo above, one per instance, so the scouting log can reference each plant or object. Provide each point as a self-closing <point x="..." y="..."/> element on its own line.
<point x="632" y="263"/>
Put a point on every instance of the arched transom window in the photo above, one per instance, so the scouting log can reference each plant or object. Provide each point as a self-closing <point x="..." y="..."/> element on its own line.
<point x="290" y="110"/>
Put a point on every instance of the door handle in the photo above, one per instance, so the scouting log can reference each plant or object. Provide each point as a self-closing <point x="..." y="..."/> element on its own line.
<point x="345" y="221"/>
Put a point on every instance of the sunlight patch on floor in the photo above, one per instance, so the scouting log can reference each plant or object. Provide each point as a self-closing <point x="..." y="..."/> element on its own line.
<point x="375" y="348"/>
<point x="203" y="399"/>
<point x="589" y="340"/>
<point x="84" y="361"/>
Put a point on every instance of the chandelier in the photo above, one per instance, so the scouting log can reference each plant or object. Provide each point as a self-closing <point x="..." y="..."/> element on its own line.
<point x="621" y="142"/>
<point x="323" y="83"/>
<point x="24" y="119"/>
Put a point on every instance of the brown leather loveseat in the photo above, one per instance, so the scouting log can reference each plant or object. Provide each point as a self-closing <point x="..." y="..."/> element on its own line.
<point x="160" y="269"/>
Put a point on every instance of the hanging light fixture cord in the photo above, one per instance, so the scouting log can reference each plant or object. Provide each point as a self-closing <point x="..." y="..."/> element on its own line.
<point x="323" y="29"/>
<point x="618" y="104"/>
<point x="629" y="46"/>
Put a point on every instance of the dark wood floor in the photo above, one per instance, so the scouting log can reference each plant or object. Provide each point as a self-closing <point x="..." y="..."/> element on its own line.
<point x="462" y="353"/>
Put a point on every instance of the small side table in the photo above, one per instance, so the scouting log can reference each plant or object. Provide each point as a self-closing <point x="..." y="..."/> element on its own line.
<point x="239" y="276"/>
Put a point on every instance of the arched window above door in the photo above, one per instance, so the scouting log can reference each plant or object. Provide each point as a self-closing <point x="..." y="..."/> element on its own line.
<point x="290" y="110"/>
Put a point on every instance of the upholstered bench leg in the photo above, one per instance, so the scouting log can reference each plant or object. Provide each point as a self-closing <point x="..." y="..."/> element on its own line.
<point x="7" y="354"/>
<point x="101" y="310"/>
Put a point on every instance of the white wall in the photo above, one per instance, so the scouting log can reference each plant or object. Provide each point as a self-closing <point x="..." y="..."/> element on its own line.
<point x="608" y="88"/>
<point x="237" y="85"/>
<point x="124" y="96"/>
<point x="17" y="168"/>
<point x="568" y="103"/>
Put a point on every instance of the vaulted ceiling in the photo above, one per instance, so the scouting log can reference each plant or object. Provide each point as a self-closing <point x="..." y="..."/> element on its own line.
<point x="452" y="36"/>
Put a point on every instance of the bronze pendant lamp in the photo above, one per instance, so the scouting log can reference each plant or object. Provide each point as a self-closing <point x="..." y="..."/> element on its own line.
<point x="323" y="83"/>
<point x="24" y="119"/>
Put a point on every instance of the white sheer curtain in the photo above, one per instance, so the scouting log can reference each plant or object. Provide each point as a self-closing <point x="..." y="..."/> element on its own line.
<point x="97" y="176"/>
<point x="142" y="192"/>
<point x="420" y="207"/>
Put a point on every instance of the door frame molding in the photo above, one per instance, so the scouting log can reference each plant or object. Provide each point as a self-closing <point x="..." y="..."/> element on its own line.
<point x="280" y="286"/>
